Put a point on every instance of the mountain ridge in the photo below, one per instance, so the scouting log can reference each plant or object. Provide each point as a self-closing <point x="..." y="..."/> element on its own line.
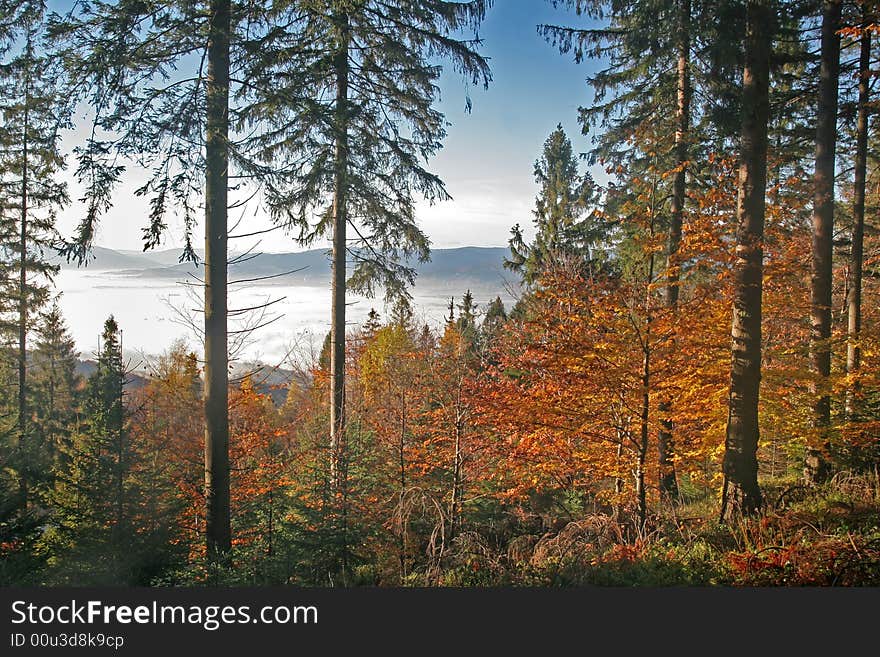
<point x="484" y="263"/>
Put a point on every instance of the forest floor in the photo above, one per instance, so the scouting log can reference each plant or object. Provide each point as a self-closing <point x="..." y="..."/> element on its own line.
<point x="823" y="536"/>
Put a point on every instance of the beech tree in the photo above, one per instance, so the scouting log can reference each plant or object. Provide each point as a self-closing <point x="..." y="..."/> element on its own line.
<point x="649" y="82"/>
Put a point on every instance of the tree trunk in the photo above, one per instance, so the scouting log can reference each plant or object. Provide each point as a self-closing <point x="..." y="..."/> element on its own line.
<point x="455" y="509"/>
<point x="641" y="491"/>
<point x="337" y="330"/>
<point x="217" y="528"/>
<point x="854" y="299"/>
<point x="401" y="455"/>
<point x="816" y="466"/>
<point x="22" y="304"/>
<point x="665" y="440"/>
<point x="741" y="493"/>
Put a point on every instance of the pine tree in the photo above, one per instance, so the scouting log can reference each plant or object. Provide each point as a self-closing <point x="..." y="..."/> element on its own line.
<point x="31" y="115"/>
<point x="54" y="388"/>
<point x="93" y="497"/>
<point x="367" y="77"/>
<point x="566" y="228"/>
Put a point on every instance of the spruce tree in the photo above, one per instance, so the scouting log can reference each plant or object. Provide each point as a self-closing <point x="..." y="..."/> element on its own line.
<point x="54" y="388"/>
<point x="366" y="87"/>
<point x="184" y="90"/>
<point x="31" y="116"/>
<point x="816" y="464"/>
<point x="93" y="532"/>
<point x="741" y="492"/>
<point x="567" y="229"/>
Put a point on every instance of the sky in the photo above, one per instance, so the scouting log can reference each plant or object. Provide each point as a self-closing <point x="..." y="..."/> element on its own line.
<point x="488" y="157"/>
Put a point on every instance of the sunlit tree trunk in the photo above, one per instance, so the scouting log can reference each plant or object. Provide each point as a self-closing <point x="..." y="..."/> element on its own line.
<point x="854" y="300"/>
<point x="665" y="442"/>
<point x="816" y="466"/>
<point x="741" y="493"/>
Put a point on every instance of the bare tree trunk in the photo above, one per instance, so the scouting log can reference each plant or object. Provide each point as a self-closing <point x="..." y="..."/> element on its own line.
<point x="402" y="481"/>
<point x="641" y="491"/>
<point x="337" y="330"/>
<point x="455" y="509"/>
<point x="665" y="439"/>
<point x="741" y="493"/>
<point x="816" y="466"/>
<point x="217" y="528"/>
<point x="854" y="299"/>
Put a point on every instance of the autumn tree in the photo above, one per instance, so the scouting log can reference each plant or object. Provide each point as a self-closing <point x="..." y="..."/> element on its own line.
<point x="391" y="375"/>
<point x="167" y="433"/>
<point x="649" y="82"/>
<point x="259" y="469"/>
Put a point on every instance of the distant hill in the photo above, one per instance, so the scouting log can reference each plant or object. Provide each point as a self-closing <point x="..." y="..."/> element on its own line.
<point x="165" y="258"/>
<point x="102" y="259"/>
<point x="272" y="381"/>
<point x="470" y="263"/>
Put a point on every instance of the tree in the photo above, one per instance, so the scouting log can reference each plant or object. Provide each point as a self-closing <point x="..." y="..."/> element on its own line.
<point x="854" y="298"/>
<point x="357" y="152"/>
<point x="650" y="71"/>
<point x="563" y="232"/>
<point x="391" y="375"/>
<point x="218" y="532"/>
<point x="816" y="467"/>
<point x="54" y="387"/>
<point x="182" y="90"/>
<point x="666" y="443"/>
<point x="167" y="432"/>
<point x="93" y="495"/>
<point x="30" y="193"/>
<point x="741" y="493"/>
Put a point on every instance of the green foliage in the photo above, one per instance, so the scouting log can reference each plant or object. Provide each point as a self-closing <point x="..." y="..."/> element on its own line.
<point x="92" y="536"/>
<point x="568" y="231"/>
<point x="387" y="60"/>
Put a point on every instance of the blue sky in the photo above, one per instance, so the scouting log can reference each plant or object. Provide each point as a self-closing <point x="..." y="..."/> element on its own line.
<point x="488" y="156"/>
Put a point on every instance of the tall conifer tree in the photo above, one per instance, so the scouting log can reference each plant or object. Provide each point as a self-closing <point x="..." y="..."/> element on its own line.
<point x="31" y="116"/>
